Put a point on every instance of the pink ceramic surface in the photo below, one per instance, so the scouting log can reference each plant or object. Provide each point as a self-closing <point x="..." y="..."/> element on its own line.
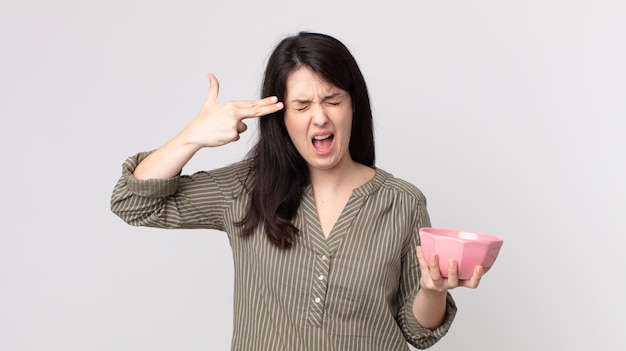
<point x="470" y="249"/>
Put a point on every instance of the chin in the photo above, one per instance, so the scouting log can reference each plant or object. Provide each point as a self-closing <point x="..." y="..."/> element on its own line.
<point x="324" y="165"/>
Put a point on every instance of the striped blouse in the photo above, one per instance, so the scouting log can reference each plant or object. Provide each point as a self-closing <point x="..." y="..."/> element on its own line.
<point x="352" y="291"/>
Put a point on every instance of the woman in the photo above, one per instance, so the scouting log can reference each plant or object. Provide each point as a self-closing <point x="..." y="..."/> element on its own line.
<point x="325" y="245"/>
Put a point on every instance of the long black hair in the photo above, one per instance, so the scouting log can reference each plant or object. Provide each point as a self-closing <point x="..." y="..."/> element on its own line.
<point x="280" y="172"/>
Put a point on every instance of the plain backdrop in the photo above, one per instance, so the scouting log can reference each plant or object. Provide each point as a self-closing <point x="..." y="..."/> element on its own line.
<point x="508" y="115"/>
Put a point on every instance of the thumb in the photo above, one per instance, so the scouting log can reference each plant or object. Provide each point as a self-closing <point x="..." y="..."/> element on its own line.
<point x="214" y="89"/>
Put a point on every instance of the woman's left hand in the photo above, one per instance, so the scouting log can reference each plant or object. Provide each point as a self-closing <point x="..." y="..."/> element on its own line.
<point x="432" y="280"/>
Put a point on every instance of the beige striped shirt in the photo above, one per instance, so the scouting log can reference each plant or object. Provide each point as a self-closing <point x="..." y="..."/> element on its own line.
<point x="352" y="291"/>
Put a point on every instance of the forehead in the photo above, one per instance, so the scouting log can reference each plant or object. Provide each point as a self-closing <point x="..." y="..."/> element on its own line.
<point x="304" y="83"/>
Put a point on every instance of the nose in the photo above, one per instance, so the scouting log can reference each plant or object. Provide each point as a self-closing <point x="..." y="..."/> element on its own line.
<point x="319" y="116"/>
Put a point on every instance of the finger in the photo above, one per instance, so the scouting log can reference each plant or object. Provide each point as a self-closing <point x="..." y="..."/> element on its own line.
<point x="244" y="104"/>
<point x="214" y="89"/>
<point x="433" y="266"/>
<point x="259" y="108"/>
<point x="475" y="279"/>
<point x="420" y="256"/>
<point x="453" y="273"/>
<point x="422" y="261"/>
<point x="241" y="127"/>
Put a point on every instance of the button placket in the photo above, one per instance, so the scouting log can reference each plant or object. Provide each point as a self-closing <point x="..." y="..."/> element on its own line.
<point x="319" y="288"/>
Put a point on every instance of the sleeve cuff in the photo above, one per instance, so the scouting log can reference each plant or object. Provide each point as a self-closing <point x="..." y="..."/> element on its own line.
<point x="421" y="337"/>
<point x="155" y="188"/>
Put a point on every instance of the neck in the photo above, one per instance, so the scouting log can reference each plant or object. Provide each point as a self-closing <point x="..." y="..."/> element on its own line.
<point x="346" y="176"/>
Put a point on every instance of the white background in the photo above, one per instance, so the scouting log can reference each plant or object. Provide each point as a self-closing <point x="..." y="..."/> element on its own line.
<point x="508" y="115"/>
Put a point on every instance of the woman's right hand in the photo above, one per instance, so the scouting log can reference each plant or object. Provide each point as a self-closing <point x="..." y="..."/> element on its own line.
<point x="216" y="124"/>
<point x="222" y="123"/>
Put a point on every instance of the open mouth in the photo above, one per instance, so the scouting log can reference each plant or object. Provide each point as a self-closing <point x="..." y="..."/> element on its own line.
<point x="323" y="142"/>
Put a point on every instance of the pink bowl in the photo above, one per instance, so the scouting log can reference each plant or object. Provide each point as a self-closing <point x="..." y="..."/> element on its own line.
<point x="470" y="249"/>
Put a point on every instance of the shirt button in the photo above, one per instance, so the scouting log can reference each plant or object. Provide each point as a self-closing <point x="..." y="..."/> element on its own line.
<point x="324" y="258"/>
<point x="317" y="299"/>
<point x="321" y="277"/>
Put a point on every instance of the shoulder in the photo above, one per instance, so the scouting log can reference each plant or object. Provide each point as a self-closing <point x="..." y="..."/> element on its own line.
<point x="400" y="187"/>
<point x="406" y="197"/>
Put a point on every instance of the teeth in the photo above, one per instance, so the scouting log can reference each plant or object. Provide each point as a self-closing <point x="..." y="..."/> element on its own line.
<point x="322" y="137"/>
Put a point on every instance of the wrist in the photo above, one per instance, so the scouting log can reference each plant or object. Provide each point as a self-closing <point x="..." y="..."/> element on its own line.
<point x="433" y="294"/>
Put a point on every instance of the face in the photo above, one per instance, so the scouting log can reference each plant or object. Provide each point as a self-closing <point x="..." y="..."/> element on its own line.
<point x="318" y="117"/>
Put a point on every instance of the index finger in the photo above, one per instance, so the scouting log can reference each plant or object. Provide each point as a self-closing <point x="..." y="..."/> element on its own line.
<point x="259" y="108"/>
<point x="421" y="259"/>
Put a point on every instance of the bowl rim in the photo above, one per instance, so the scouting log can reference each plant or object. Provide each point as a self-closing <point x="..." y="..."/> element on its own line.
<point x="452" y="233"/>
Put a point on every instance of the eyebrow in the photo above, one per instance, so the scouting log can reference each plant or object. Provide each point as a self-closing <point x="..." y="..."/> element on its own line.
<point x="328" y="97"/>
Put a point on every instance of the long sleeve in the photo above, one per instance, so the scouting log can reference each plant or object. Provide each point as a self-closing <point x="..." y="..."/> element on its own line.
<point x="414" y="333"/>
<point x="195" y="201"/>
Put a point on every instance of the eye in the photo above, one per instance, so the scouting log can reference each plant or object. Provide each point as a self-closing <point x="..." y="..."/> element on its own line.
<point x="334" y="103"/>
<point x="299" y="109"/>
